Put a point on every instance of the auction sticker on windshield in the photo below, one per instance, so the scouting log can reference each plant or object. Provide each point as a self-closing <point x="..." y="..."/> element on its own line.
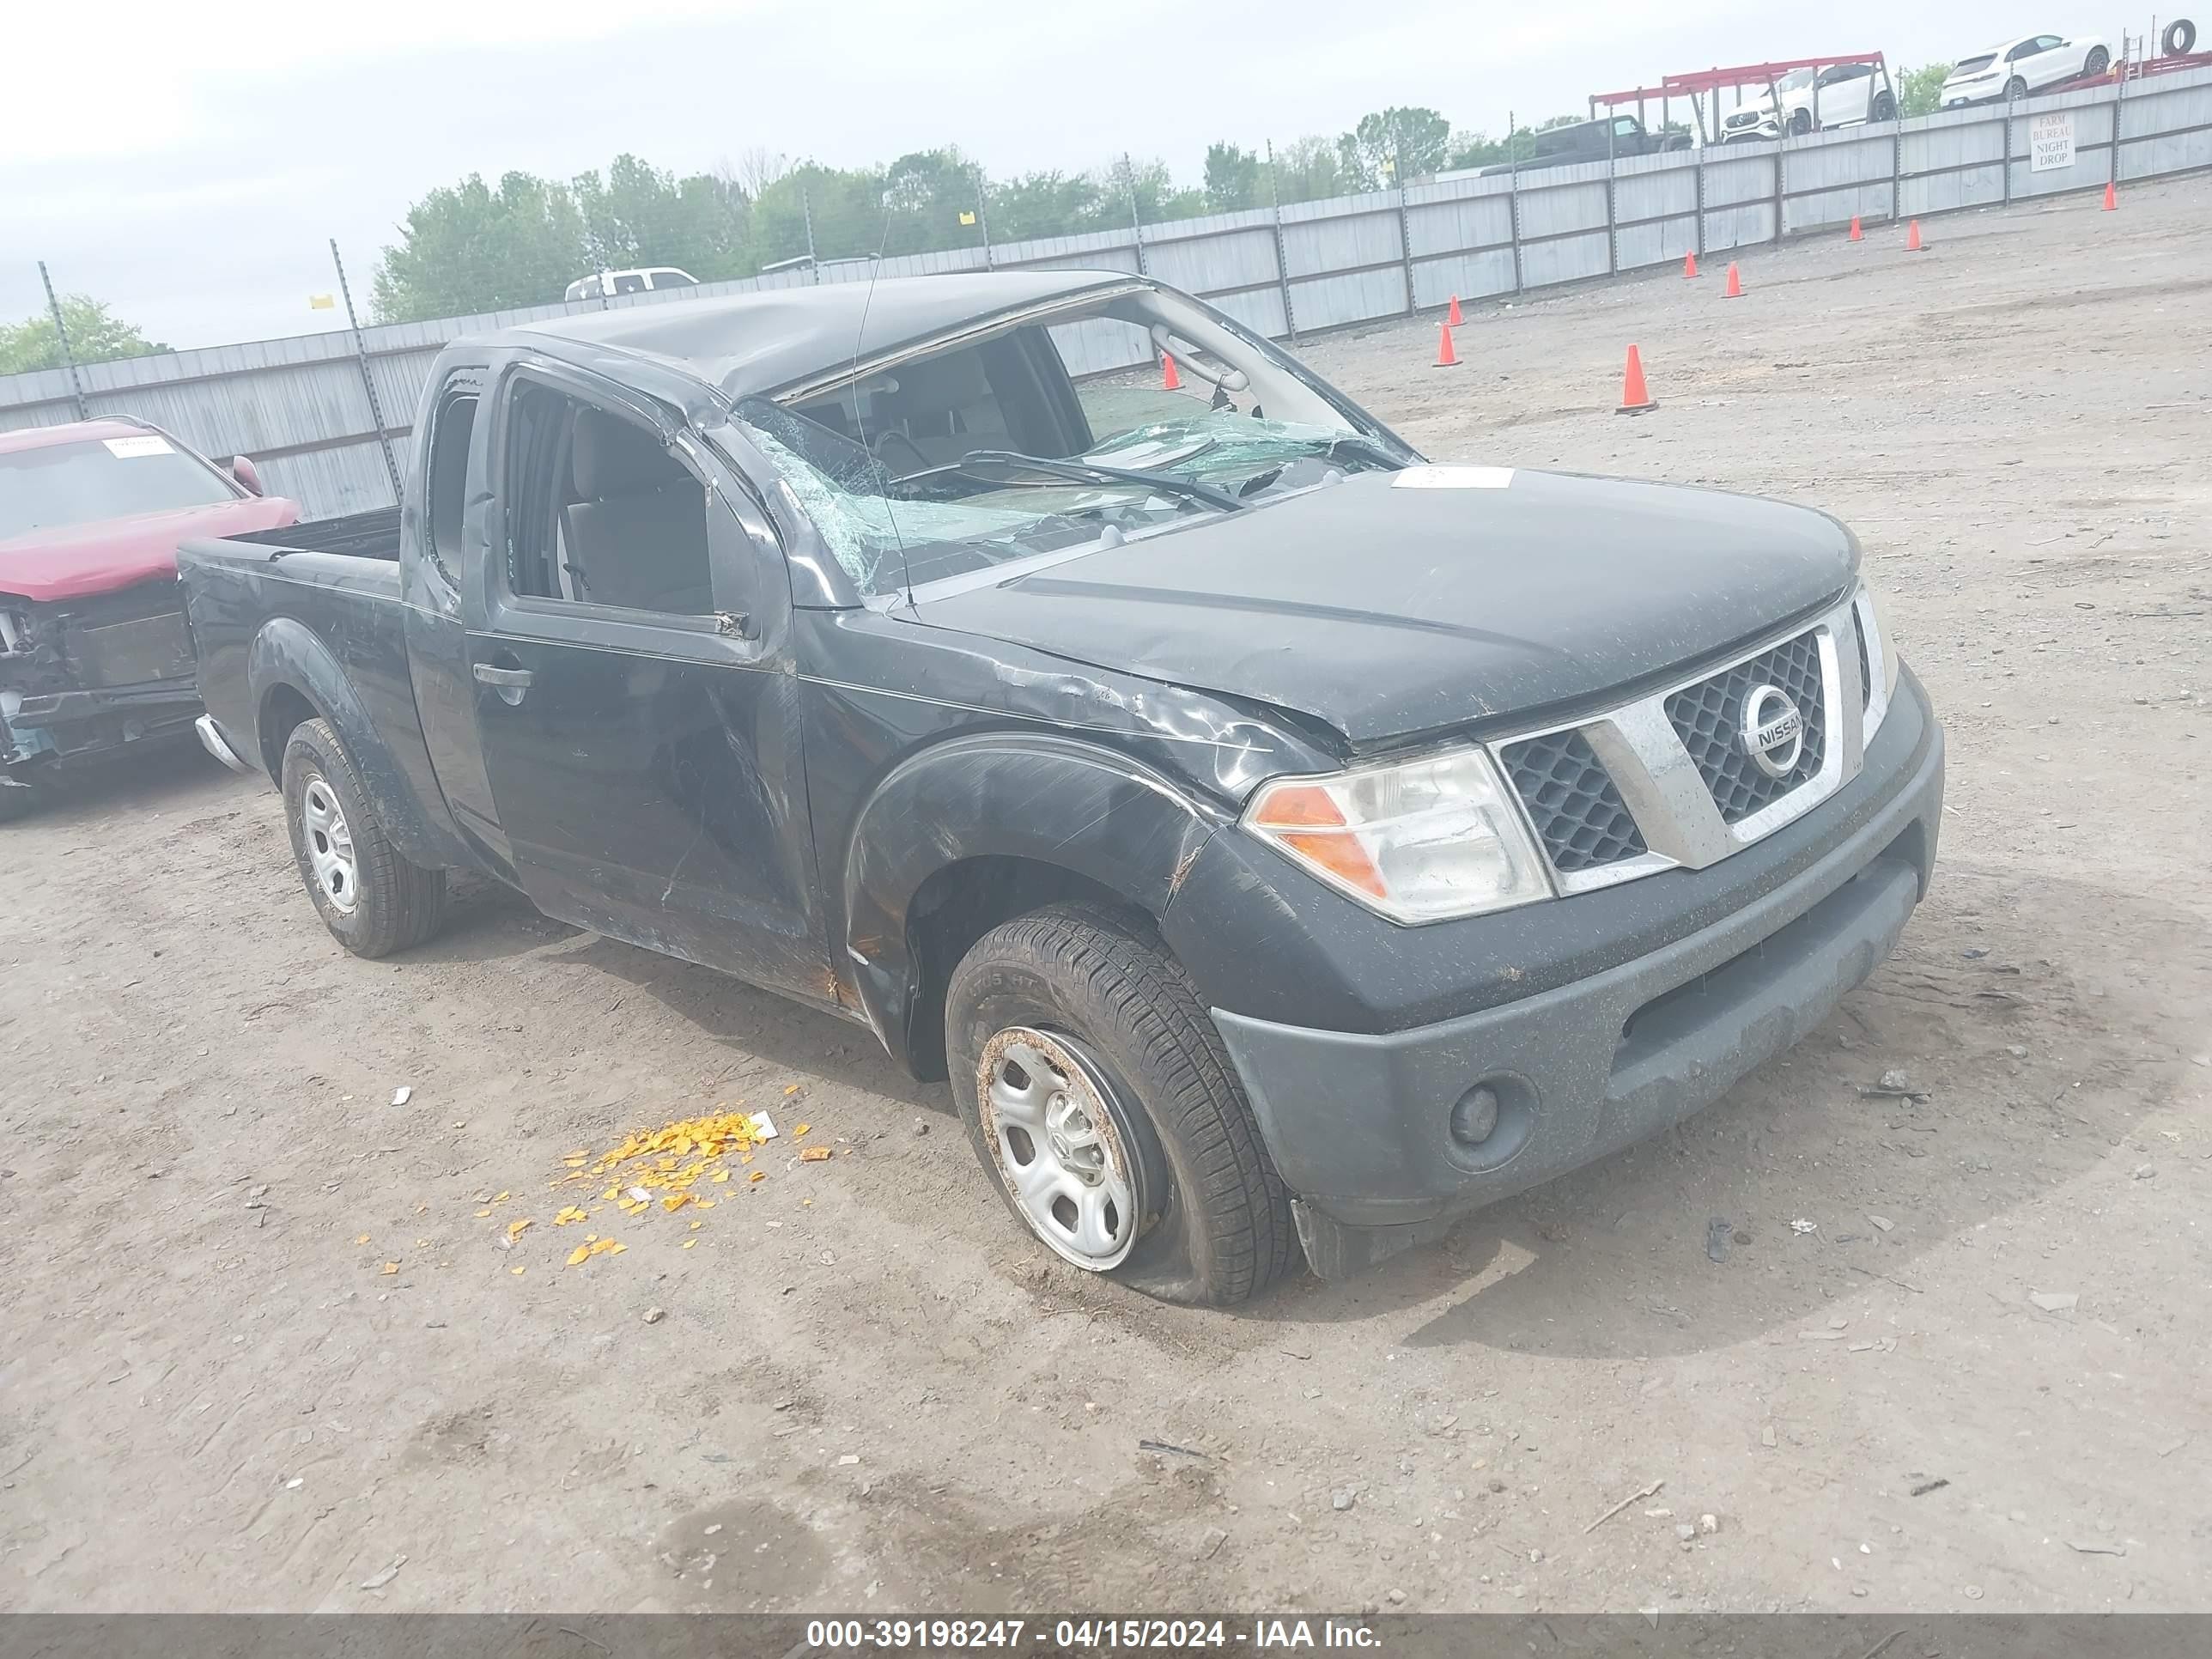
<point x="125" y="449"/>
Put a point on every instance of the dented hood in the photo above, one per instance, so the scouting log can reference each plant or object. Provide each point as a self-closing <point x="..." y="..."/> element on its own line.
<point x="75" y="561"/>
<point x="1395" y="604"/>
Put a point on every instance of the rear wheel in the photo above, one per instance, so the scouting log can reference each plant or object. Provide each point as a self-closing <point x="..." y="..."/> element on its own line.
<point x="2097" y="62"/>
<point x="1099" y="1098"/>
<point x="372" y="901"/>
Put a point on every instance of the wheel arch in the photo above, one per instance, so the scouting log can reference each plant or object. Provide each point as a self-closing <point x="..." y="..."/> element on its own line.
<point x="973" y="832"/>
<point x="292" y="677"/>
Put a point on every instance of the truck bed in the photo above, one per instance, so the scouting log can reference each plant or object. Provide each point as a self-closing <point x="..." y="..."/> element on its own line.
<point x="279" y="584"/>
<point x="371" y="535"/>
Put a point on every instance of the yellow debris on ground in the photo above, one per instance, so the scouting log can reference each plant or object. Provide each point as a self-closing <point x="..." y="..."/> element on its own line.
<point x="661" y="1164"/>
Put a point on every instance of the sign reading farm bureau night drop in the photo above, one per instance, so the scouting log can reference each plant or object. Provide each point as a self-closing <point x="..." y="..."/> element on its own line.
<point x="2050" y="141"/>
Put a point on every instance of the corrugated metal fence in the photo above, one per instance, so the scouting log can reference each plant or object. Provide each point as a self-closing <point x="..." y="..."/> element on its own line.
<point x="299" y="406"/>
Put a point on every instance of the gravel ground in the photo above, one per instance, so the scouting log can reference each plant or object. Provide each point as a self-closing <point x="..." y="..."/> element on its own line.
<point x="866" y="1391"/>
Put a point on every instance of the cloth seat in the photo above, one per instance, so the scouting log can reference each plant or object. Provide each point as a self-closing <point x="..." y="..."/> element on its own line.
<point x="638" y="536"/>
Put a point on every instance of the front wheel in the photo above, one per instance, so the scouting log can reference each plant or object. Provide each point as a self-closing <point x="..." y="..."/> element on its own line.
<point x="1098" y="1095"/>
<point x="1801" y="121"/>
<point x="372" y="901"/>
<point x="1884" y="107"/>
<point x="2015" y="88"/>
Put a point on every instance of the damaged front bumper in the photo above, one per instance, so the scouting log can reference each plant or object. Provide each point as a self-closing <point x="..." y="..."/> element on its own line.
<point x="1361" y="1125"/>
<point x="68" y="728"/>
<point x="82" y="680"/>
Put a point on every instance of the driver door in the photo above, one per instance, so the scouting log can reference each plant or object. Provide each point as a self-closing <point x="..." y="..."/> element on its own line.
<point x="639" y="725"/>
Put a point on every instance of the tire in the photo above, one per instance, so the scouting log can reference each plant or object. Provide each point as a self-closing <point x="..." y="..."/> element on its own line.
<point x="1884" y="108"/>
<point x="2098" y="61"/>
<point x="1210" y="1223"/>
<point x="17" y="801"/>
<point x="2180" y="37"/>
<point x="2015" y="89"/>
<point x="372" y="901"/>
<point x="1800" y="122"/>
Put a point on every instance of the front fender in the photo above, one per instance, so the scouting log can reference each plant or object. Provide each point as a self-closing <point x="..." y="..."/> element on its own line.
<point x="1050" y="800"/>
<point x="287" y="654"/>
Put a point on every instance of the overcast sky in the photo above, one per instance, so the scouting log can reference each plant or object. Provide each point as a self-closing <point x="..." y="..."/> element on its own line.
<point x="187" y="164"/>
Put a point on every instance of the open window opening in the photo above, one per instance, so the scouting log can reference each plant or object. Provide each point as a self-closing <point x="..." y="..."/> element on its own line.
<point x="601" y="512"/>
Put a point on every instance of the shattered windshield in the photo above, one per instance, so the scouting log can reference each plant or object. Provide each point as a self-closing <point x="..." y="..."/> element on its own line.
<point x="1042" y="438"/>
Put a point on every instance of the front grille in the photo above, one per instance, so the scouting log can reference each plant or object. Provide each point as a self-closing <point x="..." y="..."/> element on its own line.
<point x="1571" y="800"/>
<point x="1708" y="717"/>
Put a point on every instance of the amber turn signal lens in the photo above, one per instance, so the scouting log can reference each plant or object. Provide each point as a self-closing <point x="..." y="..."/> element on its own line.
<point x="1300" y="807"/>
<point x="1343" y="856"/>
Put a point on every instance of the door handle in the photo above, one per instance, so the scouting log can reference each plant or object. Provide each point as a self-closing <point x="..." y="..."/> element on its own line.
<point x="518" y="678"/>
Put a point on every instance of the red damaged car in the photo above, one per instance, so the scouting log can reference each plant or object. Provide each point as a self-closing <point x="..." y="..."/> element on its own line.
<point x="94" y="659"/>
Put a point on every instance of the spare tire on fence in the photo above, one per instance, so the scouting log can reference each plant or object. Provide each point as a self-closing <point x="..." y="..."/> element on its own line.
<point x="2180" y="37"/>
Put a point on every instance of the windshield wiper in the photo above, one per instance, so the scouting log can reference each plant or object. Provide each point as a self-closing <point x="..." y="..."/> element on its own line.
<point x="1008" y="460"/>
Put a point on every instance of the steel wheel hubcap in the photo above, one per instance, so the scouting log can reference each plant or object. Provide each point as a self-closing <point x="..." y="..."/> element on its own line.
<point x="1049" y="1118"/>
<point x="330" y="845"/>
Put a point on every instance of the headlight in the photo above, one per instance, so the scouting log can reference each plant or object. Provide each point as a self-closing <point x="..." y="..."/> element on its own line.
<point x="1417" y="841"/>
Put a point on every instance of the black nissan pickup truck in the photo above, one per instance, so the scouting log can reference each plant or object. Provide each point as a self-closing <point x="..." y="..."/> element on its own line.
<point x="1282" y="842"/>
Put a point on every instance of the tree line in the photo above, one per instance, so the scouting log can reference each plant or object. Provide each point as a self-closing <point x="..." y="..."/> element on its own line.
<point x="474" y="247"/>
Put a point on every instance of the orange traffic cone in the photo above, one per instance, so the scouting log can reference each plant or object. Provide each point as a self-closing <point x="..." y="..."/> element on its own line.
<point x="1170" y="381"/>
<point x="2111" y="198"/>
<point x="1635" y="398"/>
<point x="1452" y="319"/>
<point x="1912" y="237"/>
<point x="1690" y="264"/>
<point x="1735" y="289"/>
<point x="1446" y="357"/>
<point x="1857" y="235"/>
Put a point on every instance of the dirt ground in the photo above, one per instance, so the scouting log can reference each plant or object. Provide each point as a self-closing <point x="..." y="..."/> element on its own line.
<point x="869" y="1392"/>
